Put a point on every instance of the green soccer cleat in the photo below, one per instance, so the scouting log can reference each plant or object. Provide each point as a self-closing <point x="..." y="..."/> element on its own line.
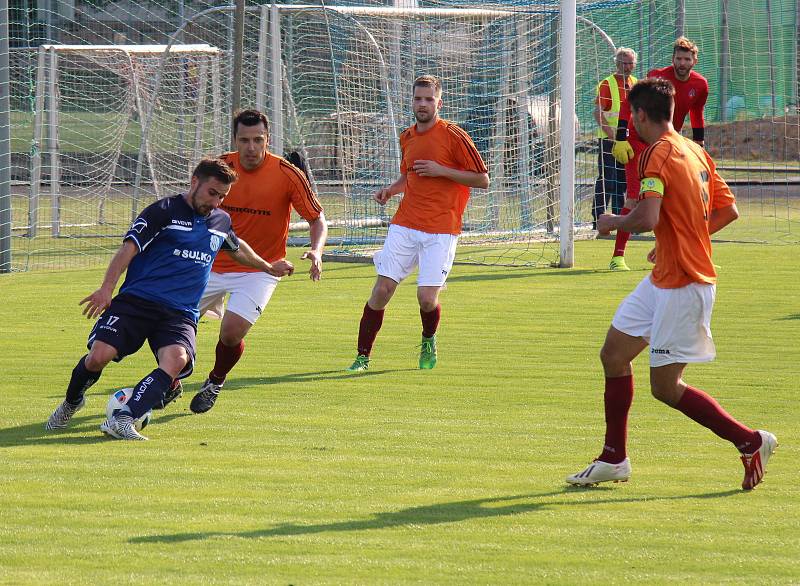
<point x="427" y="353"/>
<point x="618" y="264"/>
<point x="360" y="365"/>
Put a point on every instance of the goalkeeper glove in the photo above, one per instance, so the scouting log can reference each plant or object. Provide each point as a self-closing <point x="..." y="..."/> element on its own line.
<point x="622" y="151"/>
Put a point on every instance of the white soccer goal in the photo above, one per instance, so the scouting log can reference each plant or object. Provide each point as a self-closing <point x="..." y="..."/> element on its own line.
<point x="99" y="96"/>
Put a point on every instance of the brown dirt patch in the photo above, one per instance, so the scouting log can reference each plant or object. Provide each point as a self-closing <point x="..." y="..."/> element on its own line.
<point x="766" y="139"/>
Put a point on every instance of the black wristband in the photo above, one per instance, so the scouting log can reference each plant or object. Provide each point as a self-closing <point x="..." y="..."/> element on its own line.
<point x="622" y="130"/>
<point x="698" y="134"/>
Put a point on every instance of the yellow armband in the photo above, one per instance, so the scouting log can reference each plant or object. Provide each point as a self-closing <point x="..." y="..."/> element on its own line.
<point x="653" y="184"/>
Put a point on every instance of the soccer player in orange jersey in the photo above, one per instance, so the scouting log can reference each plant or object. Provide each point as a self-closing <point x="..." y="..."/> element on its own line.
<point x="691" y="93"/>
<point x="683" y="200"/>
<point x="439" y="166"/>
<point x="260" y="205"/>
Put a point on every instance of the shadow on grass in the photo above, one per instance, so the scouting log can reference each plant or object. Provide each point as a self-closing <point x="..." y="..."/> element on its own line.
<point x="304" y="377"/>
<point x="791" y="316"/>
<point x="88" y="426"/>
<point x="437" y="514"/>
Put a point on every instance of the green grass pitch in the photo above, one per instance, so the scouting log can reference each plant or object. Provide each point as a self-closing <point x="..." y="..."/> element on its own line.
<point x="306" y="474"/>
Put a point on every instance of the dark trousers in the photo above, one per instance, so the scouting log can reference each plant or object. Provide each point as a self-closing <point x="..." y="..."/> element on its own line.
<point x="610" y="183"/>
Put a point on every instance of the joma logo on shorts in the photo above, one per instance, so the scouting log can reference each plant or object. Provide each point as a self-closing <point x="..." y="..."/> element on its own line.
<point x="659" y="351"/>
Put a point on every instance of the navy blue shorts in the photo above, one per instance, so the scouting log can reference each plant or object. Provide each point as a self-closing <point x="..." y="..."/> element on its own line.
<point x="131" y="320"/>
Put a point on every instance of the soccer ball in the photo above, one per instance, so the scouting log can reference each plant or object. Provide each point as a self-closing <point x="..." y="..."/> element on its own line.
<point x="118" y="399"/>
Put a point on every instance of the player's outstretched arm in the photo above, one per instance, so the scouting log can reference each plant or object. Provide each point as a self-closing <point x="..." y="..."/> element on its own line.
<point x="246" y="256"/>
<point x="318" y="231"/>
<point x="97" y="302"/>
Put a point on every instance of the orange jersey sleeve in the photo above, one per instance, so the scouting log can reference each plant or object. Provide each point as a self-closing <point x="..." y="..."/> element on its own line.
<point x="260" y="204"/>
<point x="683" y="244"/>
<point x="436" y="204"/>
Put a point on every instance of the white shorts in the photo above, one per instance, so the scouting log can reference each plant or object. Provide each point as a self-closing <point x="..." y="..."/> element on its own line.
<point x="405" y="249"/>
<point x="249" y="293"/>
<point x="675" y="322"/>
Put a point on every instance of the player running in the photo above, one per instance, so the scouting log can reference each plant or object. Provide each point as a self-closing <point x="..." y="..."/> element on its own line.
<point x="260" y="204"/>
<point x="691" y="93"/>
<point x="439" y="165"/>
<point x="684" y="201"/>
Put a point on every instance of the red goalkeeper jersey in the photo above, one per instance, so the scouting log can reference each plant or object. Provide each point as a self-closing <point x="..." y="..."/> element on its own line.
<point x="690" y="98"/>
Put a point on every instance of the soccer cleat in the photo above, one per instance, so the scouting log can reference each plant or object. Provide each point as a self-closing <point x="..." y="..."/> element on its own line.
<point x="204" y="400"/>
<point x="121" y="427"/>
<point x="755" y="464"/>
<point x="360" y="364"/>
<point x="618" y="264"/>
<point x="175" y="391"/>
<point x="63" y="414"/>
<point x="599" y="471"/>
<point x="427" y="353"/>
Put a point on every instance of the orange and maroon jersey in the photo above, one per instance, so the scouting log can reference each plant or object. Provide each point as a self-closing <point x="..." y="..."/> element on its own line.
<point x="435" y="204"/>
<point x="680" y="172"/>
<point x="690" y="98"/>
<point x="260" y="205"/>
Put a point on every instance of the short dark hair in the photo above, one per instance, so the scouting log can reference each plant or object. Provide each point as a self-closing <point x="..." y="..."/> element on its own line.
<point x="218" y="169"/>
<point x="249" y="118"/>
<point x="428" y="81"/>
<point x="655" y="96"/>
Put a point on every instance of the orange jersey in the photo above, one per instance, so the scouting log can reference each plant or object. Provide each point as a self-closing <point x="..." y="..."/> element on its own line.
<point x="260" y="205"/>
<point x="435" y="204"/>
<point x="692" y="189"/>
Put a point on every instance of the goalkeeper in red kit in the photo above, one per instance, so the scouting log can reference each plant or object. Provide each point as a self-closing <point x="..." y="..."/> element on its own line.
<point x="691" y="93"/>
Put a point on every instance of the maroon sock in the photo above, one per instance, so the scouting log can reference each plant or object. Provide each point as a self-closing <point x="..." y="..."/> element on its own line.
<point x="622" y="237"/>
<point x="617" y="399"/>
<point x="227" y="357"/>
<point x="371" y="322"/>
<point x="701" y="407"/>
<point x="430" y="321"/>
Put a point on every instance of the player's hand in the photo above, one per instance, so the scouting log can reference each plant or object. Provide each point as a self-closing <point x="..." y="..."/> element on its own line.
<point x="382" y="195"/>
<point x="281" y="268"/>
<point x="96" y="303"/>
<point x="622" y="151"/>
<point x="651" y="256"/>
<point x="606" y="223"/>
<point x="425" y="168"/>
<point x="315" y="272"/>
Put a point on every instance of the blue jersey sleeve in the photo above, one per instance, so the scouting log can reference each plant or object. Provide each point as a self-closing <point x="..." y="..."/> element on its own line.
<point x="231" y="242"/>
<point x="150" y="222"/>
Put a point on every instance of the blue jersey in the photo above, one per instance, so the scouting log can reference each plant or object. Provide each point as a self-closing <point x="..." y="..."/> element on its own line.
<point x="176" y="249"/>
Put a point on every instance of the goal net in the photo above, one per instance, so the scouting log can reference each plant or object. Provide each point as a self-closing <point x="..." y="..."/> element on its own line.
<point x="100" y="130"/>
<point x="104" y="142"/>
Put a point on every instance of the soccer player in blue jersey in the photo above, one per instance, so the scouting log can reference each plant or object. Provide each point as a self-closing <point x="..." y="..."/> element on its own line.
<point x="167" y="253"/>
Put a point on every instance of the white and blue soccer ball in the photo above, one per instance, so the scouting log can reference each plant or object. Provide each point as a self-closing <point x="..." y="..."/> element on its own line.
<point x="117" y="401"/>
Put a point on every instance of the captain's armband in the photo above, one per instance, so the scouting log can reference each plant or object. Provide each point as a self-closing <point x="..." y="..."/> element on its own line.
<point x="651" y="184"/>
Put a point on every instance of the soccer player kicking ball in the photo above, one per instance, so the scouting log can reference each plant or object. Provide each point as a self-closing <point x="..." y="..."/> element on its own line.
<point x="167" y="253"/>
<point x="683" y="200"/>
<point x="439" y="166"/>
<point x="691" y="93"/>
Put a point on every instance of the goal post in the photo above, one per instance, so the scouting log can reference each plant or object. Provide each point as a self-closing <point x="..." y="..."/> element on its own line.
<point x="103" y="94"/>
